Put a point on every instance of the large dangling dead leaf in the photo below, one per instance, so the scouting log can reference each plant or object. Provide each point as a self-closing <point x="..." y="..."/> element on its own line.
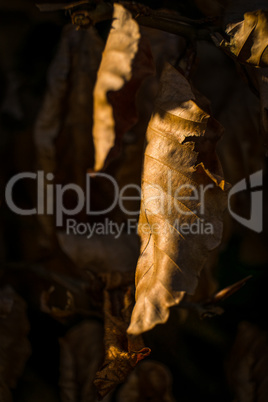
<point x="180" y="163"/>
<point x="126" y="62"/>
<point x="121" y="352"/>
<point x="165" y="47"/>
<point x="248" y="38"/>
<point x="247" y="365"/>
<point x="14" y="345"/>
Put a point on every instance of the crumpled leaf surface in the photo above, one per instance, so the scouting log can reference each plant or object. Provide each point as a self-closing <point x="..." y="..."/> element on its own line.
<point x="241" y="148"/>
<point x="247" y="365"/>
<point x="63" y="129"/>
<point x="81" y="351"/>
<point x="126" y="62"/>
<point x="150" y="380"/>
<point x="180" y="152"/>
<point x="165" y="48"/>
<point x="248" y="38"/>
<point x="121" y="352"/>
<point x="14" y="345"/>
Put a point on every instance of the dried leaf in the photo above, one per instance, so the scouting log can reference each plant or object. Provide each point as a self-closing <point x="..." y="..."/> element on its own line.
<point x="209" y="308"/>
<point x="207" y="283"/>
<point x="81" y="354"/>
<point x="236" y="9"/>
<point x="117" y="279"/>
<point x="121" y="353"/>
<point x="126" y="62"/>
<point x="248" y="39"/>
<point x="182" y="139"/>
<point x="101" y="253"/>
<point x="63" y="130"/>
<point x="165" y="47"/>
<point x="56" y="312"/>
<point x="247" y="364"/>
<point x="149" y="381"/>
<point x="68" y="297"/>
<point x="14" y="345"/>
<point x="228" y="291"/>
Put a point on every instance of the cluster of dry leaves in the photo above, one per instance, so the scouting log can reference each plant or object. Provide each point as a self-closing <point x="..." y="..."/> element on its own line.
<point x="103" y="101"/>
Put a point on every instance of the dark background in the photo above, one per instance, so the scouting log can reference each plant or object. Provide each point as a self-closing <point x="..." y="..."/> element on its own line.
<point x="196" y="351"/>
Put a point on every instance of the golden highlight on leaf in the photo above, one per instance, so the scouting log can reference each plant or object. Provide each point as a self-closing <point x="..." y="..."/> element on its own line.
<point x="122" y="353"/>
<point x="180" y="162"/>
<point x="249" y="38"/>
<point x="126" y="62"/>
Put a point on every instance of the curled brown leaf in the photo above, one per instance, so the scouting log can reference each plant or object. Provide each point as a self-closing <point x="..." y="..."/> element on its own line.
<point x="126" y="62"/>
<point x="180" y="157"/>
<point x="248" y="39"/>
<point x="56" y="312"/>
<point x="63" y="129"/>
<point x="121" y="352"/>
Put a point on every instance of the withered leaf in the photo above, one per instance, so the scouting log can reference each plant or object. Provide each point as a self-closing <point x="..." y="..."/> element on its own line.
<point x="69" y="296"/>
<point x="247" y="365"/>
<point x="14" y="345"/>
<point x="228" y="291"/>
<point x="117" y="279"/>
<point x="121" y="352"/>
<point x="81" y="351"/>
<point x="63" y="129"/>
<point x="126" y="62"/>
<point x="92" y="253"/>
<point x="248" y="39"/>
<point x="150" y="380"/>
<point x="210" y="307"/>
<point x="180" y="161"/>
<point x="56" y="312"/>
<point x="165" y="47"/>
